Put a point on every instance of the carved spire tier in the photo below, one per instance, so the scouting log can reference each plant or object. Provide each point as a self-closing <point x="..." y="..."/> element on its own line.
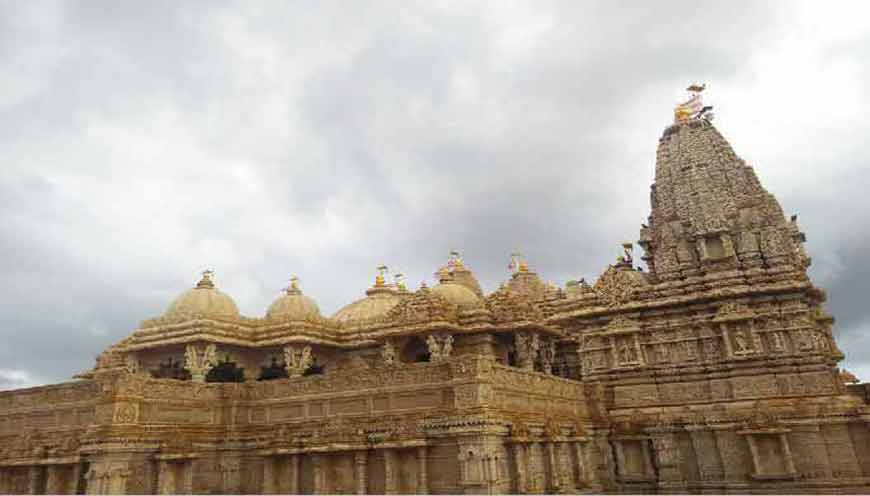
<point x="709" y="211"/>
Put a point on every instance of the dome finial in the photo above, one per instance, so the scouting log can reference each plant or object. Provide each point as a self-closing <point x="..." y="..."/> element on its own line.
<point x="693" y="108"/>
<point x="443" y="274"/>
<point x="399" y="278"/>
<point x="455" y="261"/>
<point x="518" y="264"/>
<point x="293" y="288"/>
<point x="381" y="278"/>
<point x="206" y="281"/>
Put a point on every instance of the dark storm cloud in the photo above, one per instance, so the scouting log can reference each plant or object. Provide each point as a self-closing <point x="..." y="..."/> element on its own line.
<point x="143" y="142"/>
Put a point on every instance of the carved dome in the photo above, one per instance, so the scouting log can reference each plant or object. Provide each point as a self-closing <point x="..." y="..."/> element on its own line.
<point x="457" y="294"/>
<point x="204" y="300"/>
<point x="379" y="300"/>
<point x="457" y="284"/>
<point x="618" y="283"/>
<point x="293" y="305"/>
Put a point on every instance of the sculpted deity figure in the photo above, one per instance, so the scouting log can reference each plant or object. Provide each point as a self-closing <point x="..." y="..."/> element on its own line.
<point x="627" y="354"/>
<point x="527" y="346"/>
<point x="434" y="348"/>
<point x="297" y="360"/>
<point x="548" y="355"/>
<point x="820" y="342"/>
<point x="778" y="341"/>
<point x="388" y="353"/>
<point x="131" y="364"/>
<point x="447" y="346"/>
<point x="740" y="342"/>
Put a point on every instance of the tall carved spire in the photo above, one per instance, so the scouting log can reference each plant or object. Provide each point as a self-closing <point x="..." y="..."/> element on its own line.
<point x="709" y="211"/>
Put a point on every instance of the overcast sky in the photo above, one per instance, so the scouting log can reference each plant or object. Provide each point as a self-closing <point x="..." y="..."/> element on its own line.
<point x="141" y="142"/>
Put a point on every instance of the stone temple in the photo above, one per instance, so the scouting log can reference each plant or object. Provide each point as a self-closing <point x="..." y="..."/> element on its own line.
<point x="714" y="370"/>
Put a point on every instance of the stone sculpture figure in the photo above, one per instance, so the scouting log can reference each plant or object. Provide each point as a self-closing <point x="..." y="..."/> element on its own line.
<point x="388" y="353"/>
<point x="740" y="342"/>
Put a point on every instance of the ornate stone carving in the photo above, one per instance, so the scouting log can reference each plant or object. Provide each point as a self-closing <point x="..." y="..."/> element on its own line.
<point x="548" y="355"/>
<point x="527" y="346"/>
<point x="616" y="286"/>
<point x="131" y="363"/>
<point x="701" y="375"/>
<point x="200" y="363"/>
<point x="297" y="359"/>
<point x="439" y="347"/>
<point x="388" y="353"/>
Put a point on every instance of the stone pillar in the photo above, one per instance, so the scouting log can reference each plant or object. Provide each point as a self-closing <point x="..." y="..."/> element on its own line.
<point x="619" y="454"/>
<point x="318" y="463"/>
<point x="117" y="483"/>
<point x="423" y="470"/>
<point x="526" y="345"/>
<point x="649" y="471"/>
<point x="670" y="462"/>
<point x="734" y="465"/>
<point x="600" y="467"/>
<point x="76" y="477"/>
<point x="95" y="482"/>
<point x="294" y="473"/>
<point x="786" y="451"/>
<point x="361" y="462"/>
<point x="36" y="480"/>
<point x="269" y="471"/>
<point x="810" y="452"/>
<point x="841" y="449"/>
<point x="707" y="455"/>
<point x="230" y="476"/>
<point x="187" y="477"/>
<point x="54" y="479"/>
<point x="756" y="459"/>
<point x="5" y="481"/>
<point x="537" y="473"/>
<point x="165" y="478"/>
<point x="522" y="465"/>
<point x="585" y="477"/>
<point x="554" y="485"/>
<point x="391" y="483"/>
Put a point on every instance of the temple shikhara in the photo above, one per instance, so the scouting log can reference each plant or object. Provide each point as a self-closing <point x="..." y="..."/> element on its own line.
<point x="712" y="369"/>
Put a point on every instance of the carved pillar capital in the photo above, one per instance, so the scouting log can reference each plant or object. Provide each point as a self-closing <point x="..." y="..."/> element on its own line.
<point x="297" y="359"/>
<point x="200" y="362"/>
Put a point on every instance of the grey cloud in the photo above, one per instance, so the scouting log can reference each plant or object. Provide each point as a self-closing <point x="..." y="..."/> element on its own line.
<point x="142" y="143"/>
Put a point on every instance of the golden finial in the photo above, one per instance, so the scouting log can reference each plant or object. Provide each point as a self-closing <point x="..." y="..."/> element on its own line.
<point x="206" y="281"/>
<point x="455" y="261"/>
<point x="443" y="274"/>
<point x="293" y="288"/>
<point x="399" y="278"/>
<point x="693" y="108"/>
<point x="381" y="279"/>
<point x="517" y="263"/>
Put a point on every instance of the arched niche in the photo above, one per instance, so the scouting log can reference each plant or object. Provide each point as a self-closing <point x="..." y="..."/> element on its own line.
<point x="414" y="350"/>
<point x="226" y="370"/>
